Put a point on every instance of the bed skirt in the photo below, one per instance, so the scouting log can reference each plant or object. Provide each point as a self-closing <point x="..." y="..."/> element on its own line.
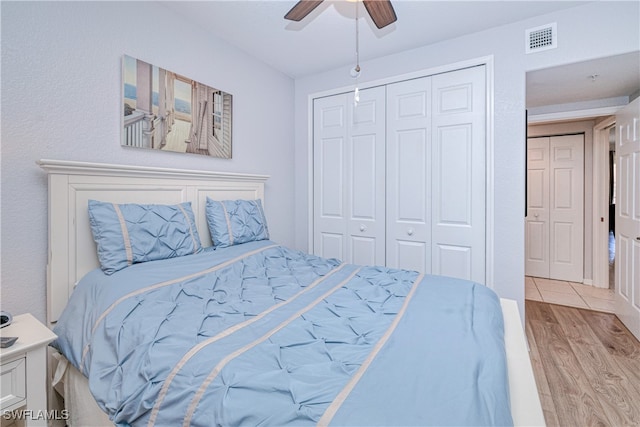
<point x="78" y="400"/>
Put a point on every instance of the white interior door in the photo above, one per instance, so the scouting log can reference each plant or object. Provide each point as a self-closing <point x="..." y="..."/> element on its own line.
<point x="537" y="220"/>
<point x="349" y="180"/>
<point x="627" y="276"/>
<point x="566" y="222"/>
<point x="458" y="174"/>
<point x="409" y="175"/>
<point x="555" y="208"/>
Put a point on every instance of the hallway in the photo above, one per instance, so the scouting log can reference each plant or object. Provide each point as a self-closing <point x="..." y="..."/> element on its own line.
<point x="569" y="294"/>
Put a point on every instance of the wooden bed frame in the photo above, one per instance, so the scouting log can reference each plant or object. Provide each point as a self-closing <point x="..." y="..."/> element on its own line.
<point x="72" y="251"/>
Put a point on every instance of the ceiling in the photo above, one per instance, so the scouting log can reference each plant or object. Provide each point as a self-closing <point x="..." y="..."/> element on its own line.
<point x="610" y="77"/>
<point x="325" y="39"/>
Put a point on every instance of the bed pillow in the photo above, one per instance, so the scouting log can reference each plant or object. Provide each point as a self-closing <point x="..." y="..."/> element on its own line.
<point x="232" y="222"/>
<point x="132" y="233"/>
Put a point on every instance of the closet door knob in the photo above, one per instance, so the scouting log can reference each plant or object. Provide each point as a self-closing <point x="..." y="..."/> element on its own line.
<point x="363" y="227"/>
<point x="410" y="232"/>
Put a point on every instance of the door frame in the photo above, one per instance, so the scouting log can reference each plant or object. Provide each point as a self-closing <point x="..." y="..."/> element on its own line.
<point x="561" y="126"/>
<point x="600" y="224"/>
<point x="487" y="61"/>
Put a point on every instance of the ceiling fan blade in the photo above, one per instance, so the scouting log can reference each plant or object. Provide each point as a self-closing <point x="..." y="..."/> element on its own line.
<point x="381" y="12"/>
<point x="302" y="9"/>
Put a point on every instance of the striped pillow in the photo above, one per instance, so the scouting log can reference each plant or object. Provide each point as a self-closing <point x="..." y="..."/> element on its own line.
<point x="232" y="222"/>
<point x="131" y="233"/>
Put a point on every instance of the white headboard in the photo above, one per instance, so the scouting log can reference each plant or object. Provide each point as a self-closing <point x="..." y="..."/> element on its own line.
<point x="72" y="251"/>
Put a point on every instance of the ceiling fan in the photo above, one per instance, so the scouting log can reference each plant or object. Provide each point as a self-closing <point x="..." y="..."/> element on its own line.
<point x="381" y="11"/>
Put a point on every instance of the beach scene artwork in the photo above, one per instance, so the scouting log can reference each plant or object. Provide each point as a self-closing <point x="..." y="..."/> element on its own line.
<point x="163" y="110"/>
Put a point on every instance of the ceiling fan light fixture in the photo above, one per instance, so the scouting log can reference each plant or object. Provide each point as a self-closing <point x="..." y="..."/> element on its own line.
<point x="302" y="9"/>
<point x="381" y="11"/>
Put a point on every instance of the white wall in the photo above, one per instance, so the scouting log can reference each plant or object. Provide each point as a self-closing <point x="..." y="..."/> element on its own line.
<point x="61" y="89"/>
<point x="597" y="29"/>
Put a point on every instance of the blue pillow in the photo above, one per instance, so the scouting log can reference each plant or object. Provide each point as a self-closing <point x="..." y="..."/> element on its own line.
<point x="232" y="222"/>
<point x="131" y="233"/>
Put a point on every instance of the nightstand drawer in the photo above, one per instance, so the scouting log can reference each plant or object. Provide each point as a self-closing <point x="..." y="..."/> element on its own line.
<point x="13" y="384"/>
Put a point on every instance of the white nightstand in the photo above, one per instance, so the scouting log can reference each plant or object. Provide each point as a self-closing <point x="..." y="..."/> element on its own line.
<point x="23" y="369"/>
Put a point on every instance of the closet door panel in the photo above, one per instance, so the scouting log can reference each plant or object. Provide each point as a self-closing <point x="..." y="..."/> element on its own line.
<point x="458" y="176"/>
<point x="537" y="220"/>
<point x="330" y="245"/>
<point x="363" y="231"/>
<point x="366" y="183"/>
<point x="332" y="179"/>
<point x="454" y="261"/>
<point x="408" y="175"/>
<point x="454" y="192"/>
<point x="349" y="184"/>
<point x="566" y="155"/>
<point x="330" y="214"/>
<point x="363" y="178"/>
<point x="363" y="250"/>
<point x="331" y="207"/>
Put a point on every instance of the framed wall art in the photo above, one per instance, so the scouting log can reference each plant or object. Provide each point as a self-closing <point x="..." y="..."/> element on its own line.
<point x="166" y="111"/>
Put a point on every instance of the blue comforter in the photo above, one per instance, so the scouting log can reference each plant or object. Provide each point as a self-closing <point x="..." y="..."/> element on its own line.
<point x="259" y="334"/>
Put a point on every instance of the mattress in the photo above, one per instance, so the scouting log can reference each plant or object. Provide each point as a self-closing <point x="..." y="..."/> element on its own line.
<point x="260" y="334"/>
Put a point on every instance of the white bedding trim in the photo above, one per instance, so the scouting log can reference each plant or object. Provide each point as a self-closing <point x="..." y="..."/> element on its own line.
<point x="167" y="283"/>
<point x="194" y="350"/>
<point x="218" y="368"/>
<point x="344" y="393"/>
<point x="125" y="234"/>
<point x="196" y="244"/>
<point x="226" y="217"/>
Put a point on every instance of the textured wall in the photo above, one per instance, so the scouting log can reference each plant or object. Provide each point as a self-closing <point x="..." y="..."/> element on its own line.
<point x="61" y="85"/>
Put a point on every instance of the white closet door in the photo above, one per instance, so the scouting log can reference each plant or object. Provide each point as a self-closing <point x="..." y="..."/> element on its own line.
<point x="459" y="174"/>
<point x="409" y="175"/>
<point x="566" y="222"/>
<point x="421" y="208"/>
<point x="349" y="184"/>
<point x="537" y="220"/>
<point x="555" y="211"/>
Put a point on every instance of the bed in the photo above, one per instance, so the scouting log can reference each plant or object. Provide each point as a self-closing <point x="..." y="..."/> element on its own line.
<point x="253" y="332"/>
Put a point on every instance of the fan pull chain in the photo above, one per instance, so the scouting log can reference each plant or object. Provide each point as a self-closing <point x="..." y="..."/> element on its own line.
<point x="355" y="72"/>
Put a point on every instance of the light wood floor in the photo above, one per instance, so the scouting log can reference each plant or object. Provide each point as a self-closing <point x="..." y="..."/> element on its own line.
<point x="586" y="365"/>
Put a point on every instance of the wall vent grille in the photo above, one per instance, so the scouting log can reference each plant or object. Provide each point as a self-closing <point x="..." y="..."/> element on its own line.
<point x="541" y="38"/>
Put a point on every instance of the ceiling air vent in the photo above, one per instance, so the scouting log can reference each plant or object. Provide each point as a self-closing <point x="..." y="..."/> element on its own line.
<point x="541" y="38"/>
